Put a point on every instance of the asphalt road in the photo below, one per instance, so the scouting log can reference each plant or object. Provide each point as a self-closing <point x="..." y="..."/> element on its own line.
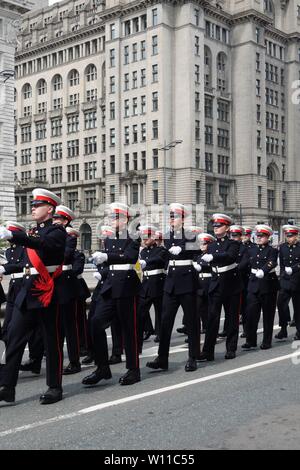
<point x="251" y="402"/>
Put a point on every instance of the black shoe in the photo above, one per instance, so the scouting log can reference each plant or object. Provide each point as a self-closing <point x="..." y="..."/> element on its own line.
<point x="103" y="373"/>
<point x="131" y="377"/>
<point x="248" y="346"/>
<point x="222" y="335"/>
<point x="282" y="333"/>
<point x="158" y="363"/>
<point x="297" y="336"/>
<point x="31" y="366"/>
<point x="191" y="365"/>
<point x="53" y="395"/>
<point x="88" y="360"/>
<point x="115" y="359"/>
<point x="230" y="355"/>
<point x="206" y="357"/>
<point x="147" y="335"/>
<point x="72" y="369"/>
<point x="243" y="335"/>
<point x="182" y="330"/>
<point x="264" y="346"/>
<point x="156" y="339"/>
<point x="7" y="394"/>
<point x="293" y="324"/>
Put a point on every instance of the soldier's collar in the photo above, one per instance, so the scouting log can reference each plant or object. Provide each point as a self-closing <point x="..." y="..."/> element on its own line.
<point x="45" y="224"/>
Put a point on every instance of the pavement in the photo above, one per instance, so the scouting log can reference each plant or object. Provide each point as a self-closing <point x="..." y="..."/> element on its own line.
<point x="251" y="402"/>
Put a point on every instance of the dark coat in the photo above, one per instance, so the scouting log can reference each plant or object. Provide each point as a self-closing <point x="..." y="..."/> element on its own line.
<point x="265" y="258"/>
<point x="156" y="258"/>
<point x="78" y="268"/>
<point x="289" y="257"/>
<point x="15" y="256"/>
<point x="66" y="284"/>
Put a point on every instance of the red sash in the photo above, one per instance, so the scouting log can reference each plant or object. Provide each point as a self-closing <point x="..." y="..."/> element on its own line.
<point x="44" y="282"/>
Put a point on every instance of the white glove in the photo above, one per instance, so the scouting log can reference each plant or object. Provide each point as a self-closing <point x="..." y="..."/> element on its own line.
<point x="143" y="263"/>
<point x="175" y="250"/>
<point x="5" y="234"/>
<point x="99" y="257"/>
<point x="207" y="258"/>
<point x="197" y="267"/>
<point x="2" y="270"/>
<point x="289" y="271"/>
<point x="97" y="276"/>
<point x="260" y="274"/>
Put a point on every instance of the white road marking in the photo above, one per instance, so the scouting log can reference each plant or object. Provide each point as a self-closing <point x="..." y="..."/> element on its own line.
<point x="132" y="398"/>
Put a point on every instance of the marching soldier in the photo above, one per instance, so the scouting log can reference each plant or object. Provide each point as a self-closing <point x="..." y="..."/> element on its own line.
<point x="248" y="243"/>
<point x="117" y="299"/>
<point x="224" y="289"/>
<point x="67" y="292"/>
<point x="14" y="268"/>
<point x="180" y="290"/>
<point x="247" y="237"/>
<point x="262" y="288"/>
<point x="205" y="276"/>
<point x="37" y="299"/>
<point x="153" y="259"/>
<point x="289" y="256"/>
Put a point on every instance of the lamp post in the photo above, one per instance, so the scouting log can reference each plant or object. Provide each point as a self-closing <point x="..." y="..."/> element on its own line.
<point x="165" y="149"/>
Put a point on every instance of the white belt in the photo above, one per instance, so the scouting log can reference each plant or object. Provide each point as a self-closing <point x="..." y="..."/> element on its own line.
<point x="254" y="271"/>
<point x="224" y="269"/>
<point x="154" y="272"/>
<point x="67" y="267"/>
<point x="186" y="262"/>
<point x="122" y="267"/>
<point x="79" y="276"/>
<point x="17" y="276"/>
<point x="34" y="272"/>
<point x="204" y="275"/>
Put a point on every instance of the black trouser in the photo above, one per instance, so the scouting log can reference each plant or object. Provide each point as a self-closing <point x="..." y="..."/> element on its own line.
<point x="231" y="305"/>
<point x="117" y="337"/>
<point x="82" y="324"/>
<point x="144" y="306"/>
<point x="202" y="309"/>
<point x="283" y="301"/>
<point x="171" y="304"/>
<point x="21" y="327"/>
<point x="256" y="303"/>
<point x="125" y="311"/>
<point x="70" y="330"/>
<point x="36" y="345"/>
<point x="7" y="319"/>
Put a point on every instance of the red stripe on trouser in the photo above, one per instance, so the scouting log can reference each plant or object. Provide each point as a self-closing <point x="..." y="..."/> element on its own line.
<point x="58" y="340"/>
<point x="135" y="334"/>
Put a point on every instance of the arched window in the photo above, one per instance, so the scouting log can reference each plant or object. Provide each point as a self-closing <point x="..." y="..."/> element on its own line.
<point x="221" y="62"/>
<point x="91" y="73"/>
<point x="74" y="78"/>
<point x="57" y="82"/>
<point x="272" y="173"/>
<point x="27" y="91"/>
<point x="86" y="237"/>
<point x="207" y="67"/>
<point x="269" y="7"/>
<point x="41" y="87"/>
<point x="222" y="72"/>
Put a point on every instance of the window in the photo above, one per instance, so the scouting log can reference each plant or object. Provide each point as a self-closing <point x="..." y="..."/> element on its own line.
<point x="134" y="52"/>
<point x="91" y="73"/>
<point x="126" y="108"/>
<point x="56" y="175"/>
<point x="73" y="123"/>
<point x="154" y="129"/>
<point x="25" y="157"/>
<point x="112" y="164"/>
<point x="284" y="200"/>
<point x="155" y="101"/>
<point x="209" y="136"/>
<point x="143" y="160"/>
<point x="27" y="91"/>
<point x="41" y="154"/>
<point x="89" y="200"/>
<point x="126" y="135"/>
<point x="134" y="106"/>
<point x="91" y="95"/>
<point x="257" y="32"/>
<point x="56" y="127"/>
<point x="90" y="145"/>
<point x="135" y="161"/>
<point x="112" y="193"/>
<point x="126" y="160"/>
<point x="74" y="99"/>
<point x="224" y="194"/>
<point x="112" y="110"/>
<point x="154" y="45"/>
<point x="259" y="166"/>
<point x="143" y="104"/>
<point x="143" y="77"/>
<point x="73" y="148"/>
<point x="209" y="194"/>
<point x="42" y="87"/>
<point x="271" y="200"/>
<point x="155" y="73"/>
<point x="143" y="132"/>
<point x="74" y="78"/>
<point x="41" y="174"/>
<point x="154" y="17"/>
<point x="257" y="62"/>
<point x="126" y="55"/>
<point x="90" y="120"/>
<point x="126" y="82"/>
<point x="223" y="165"/>
<point x="209" y="107"/>
<point x="197" y="101"/>
<point x="197" y="45"/>
<point x="40" y="131"/>
<point x="197" y="73"/>
<point x="223" y="138"/>
<point x="57" y="103"/>
<point x="134" y="80"/>
<point x="257" y="87"/>
<point x="258" y="140"/>
<point x="208" y="162"/>
<point x="112" y="137"/>
<point x="155" y="191"/>
<point x="258" y="113"/>
<point x="259" y="199"/>
<point x="155" y="158"/>
<point x="56" y="151"/>
<point x="25" y="134"/>
<point x="112" y="85"/>
<point x="112" y="57"/>
<point x="90" y="169"/>
<point x="197" y="158"/>
<point x="135" y="134"/>
<point x="223" y="111"/>
<point x="112" y="31"/>
<point x="73" y="173"/>
<point x="72" y="200"/>
<point x="197" y="16"/>
<point x="198" y="192"/>
<point x="143" y="50"/>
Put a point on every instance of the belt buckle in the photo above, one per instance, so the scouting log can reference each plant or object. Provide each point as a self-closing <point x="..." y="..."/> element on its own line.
<point x="27" y="271"/>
